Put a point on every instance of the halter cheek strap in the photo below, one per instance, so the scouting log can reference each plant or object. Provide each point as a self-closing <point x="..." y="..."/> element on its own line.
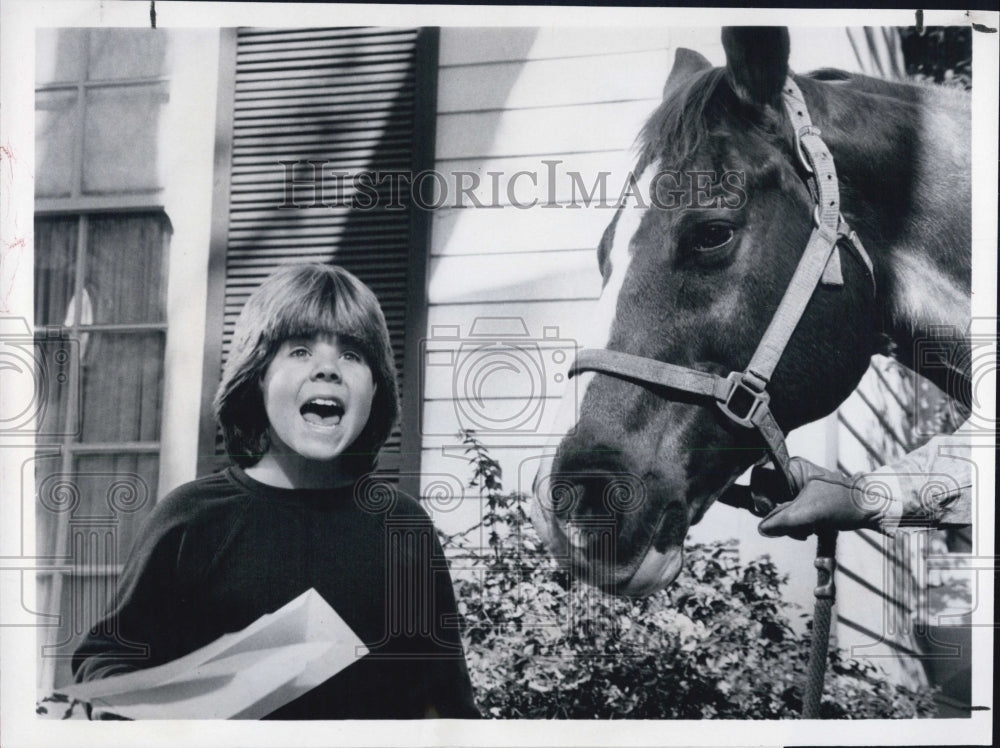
<point x="742" y="396"/>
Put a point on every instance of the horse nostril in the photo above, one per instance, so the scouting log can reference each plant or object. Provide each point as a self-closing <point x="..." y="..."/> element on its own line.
<point x="592" y="485"/>
<point x="558" y="495"/>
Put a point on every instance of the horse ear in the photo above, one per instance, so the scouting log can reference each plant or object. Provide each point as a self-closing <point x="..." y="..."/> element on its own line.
<point x="756" y="62"/>
<point x="687" y="62"/>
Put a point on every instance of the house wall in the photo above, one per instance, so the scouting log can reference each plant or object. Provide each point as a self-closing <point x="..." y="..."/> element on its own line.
<point x="186" y="145"/>
<point x="509" y="100"/>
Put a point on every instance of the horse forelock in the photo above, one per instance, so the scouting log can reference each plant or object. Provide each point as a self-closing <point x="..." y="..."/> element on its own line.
<point x="678" y="125"/>
<point x="698" y="108"/>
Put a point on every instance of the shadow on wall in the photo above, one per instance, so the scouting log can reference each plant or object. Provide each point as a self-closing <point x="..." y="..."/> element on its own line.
<point x="471" y="48"/>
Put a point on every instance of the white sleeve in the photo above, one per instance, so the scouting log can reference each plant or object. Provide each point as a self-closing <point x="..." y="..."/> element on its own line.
<point x="929" y="487"/>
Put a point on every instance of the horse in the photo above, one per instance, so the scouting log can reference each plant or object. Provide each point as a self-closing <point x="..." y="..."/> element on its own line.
<point x="698" y="260"/>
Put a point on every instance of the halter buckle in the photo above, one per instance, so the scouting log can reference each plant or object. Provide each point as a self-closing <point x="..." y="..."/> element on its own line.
<point x="799" y="134"/>
<point x="741" y="388"/>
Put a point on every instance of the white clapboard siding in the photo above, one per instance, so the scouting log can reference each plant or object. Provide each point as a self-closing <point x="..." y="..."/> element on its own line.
<point x="463" y="231"/>
<point x="512" y="422"/>
<point x="473" y="46"/>
<point x="570" y="318"/>
<point x="549" y="83"/>
<point x="572" y="180"/>
<point x="569" y="274"/>
<point x="446" y="470"/>
<point x="877" y="591"/>
<point x="528" y="132"/>
<point x="444" y="382"/>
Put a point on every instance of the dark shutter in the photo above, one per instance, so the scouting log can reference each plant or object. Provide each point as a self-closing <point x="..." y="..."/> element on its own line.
<point x="314" y="104"/>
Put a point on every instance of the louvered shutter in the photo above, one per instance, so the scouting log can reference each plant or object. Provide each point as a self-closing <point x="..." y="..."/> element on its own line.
<point x="314" y="104"/>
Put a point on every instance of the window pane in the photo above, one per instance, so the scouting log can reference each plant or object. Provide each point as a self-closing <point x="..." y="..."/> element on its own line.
<point x="121" y="487"/>
<point x="125" y="268"/>
<point x="107" y="494"/>
<point x="120" y="137"/>
<point x="57" y="365"/>
<point x="56" y="122"/>
<point x="59" y="55"/>
<point x="54" y="498"/>
<point x="55" y="261"/>
<point x="126" y="53"/>
<point x="122" y="386"/>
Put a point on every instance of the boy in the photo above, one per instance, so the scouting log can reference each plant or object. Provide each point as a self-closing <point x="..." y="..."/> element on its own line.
<point x="307" y="398"/>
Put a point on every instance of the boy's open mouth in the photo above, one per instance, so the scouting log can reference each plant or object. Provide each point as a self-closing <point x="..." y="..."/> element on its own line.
<point x="322" y="411"/>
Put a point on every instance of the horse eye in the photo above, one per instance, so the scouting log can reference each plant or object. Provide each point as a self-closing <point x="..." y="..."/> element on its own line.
<point x="711" y="236"/>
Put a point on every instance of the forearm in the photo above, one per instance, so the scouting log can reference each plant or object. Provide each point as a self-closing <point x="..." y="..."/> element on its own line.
<point x="929" y="487"/>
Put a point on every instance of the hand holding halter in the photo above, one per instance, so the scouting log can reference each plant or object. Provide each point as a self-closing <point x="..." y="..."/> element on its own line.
<point x="826" y="500"/>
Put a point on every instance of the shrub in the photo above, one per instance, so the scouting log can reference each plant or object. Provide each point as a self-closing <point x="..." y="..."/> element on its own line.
<point x="717" y="644"/>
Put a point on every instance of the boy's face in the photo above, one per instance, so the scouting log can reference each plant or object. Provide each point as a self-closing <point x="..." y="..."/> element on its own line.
<point x="318" y="395"/>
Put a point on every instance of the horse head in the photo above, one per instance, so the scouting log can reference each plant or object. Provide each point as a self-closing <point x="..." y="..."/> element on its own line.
<point x="694" y="264"/>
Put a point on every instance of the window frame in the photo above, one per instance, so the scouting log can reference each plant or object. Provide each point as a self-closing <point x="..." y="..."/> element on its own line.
<point x="63" y="567"/>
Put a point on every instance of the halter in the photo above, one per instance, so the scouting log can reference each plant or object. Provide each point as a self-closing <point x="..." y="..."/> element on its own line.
<point x="742" y="395"/>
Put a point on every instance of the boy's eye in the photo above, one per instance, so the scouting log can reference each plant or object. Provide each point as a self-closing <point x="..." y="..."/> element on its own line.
<point x="298" y="352"/>
<point x="351" y="355"/>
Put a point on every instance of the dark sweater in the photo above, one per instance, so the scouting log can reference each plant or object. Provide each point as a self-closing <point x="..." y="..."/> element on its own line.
<point x="219" y="552"/>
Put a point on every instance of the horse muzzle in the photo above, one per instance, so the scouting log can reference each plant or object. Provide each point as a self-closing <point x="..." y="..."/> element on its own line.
<point x="602" y="548"/>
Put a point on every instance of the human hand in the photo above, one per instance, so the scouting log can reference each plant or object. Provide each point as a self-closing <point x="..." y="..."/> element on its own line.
<point x="827" y="500"/>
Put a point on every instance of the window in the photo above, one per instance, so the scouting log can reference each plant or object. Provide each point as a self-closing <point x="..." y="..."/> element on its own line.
<point x="101" y="240"/>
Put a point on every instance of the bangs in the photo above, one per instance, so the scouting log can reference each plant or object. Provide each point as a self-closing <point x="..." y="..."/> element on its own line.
<point x="325" y="304"/>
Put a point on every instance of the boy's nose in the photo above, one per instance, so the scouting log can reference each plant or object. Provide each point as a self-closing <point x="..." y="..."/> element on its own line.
<point x="327" y="370"/>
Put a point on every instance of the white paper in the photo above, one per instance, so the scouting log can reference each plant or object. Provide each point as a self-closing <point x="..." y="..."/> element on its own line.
<point x="243" y="675"/>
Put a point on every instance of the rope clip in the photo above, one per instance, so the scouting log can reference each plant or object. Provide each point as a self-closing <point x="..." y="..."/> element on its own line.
<point x="825" y="567"/>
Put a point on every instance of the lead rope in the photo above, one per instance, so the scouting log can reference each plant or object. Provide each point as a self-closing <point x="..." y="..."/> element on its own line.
<point x="819" y="647"/>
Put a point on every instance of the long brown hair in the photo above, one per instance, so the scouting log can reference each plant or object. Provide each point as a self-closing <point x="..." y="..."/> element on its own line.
<point x="301" y="301"/>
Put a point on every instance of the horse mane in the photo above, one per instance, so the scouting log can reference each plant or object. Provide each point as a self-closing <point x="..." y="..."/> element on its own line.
<point x="830" y="74"/>
<point x="676" y="129"/>
<point x="906" y="89"/>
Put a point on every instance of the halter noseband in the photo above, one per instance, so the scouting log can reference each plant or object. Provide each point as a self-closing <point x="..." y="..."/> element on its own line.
<point x="742" y="395"/>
